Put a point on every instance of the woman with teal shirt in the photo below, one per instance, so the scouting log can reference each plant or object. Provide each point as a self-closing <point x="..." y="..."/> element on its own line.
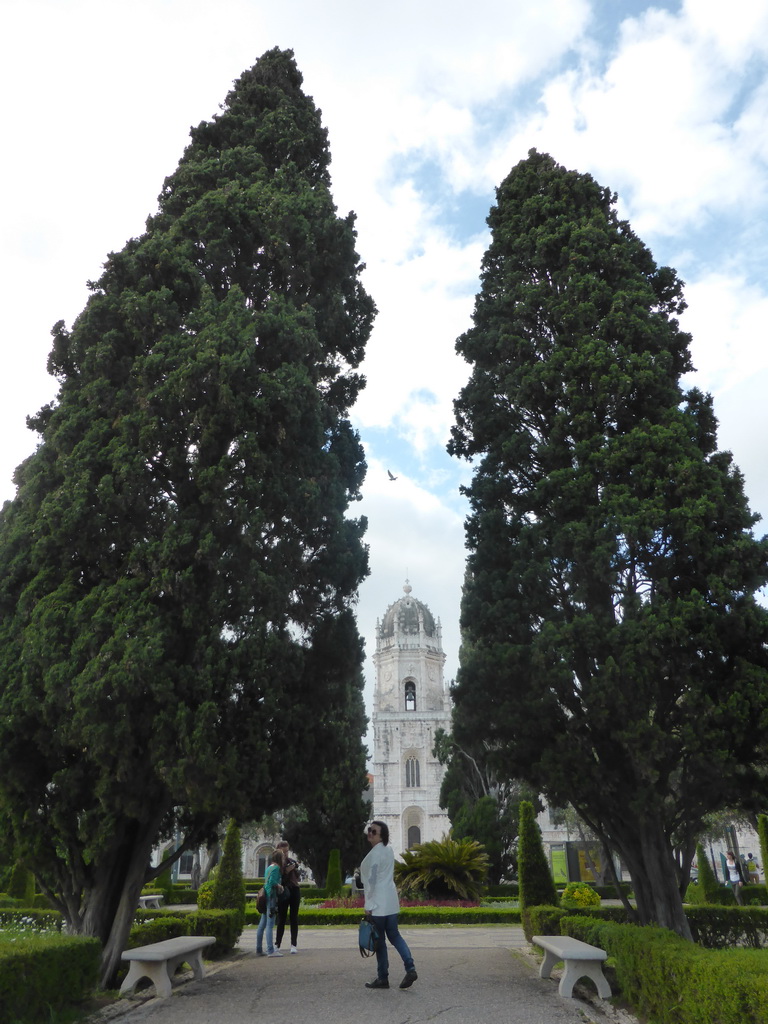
<point x="272" y="888"/>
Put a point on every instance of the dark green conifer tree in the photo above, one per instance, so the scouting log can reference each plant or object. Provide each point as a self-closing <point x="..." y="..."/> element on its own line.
<point x="537" y="887"/>
<point x="179" y="539"/>
<point x="614" y="652"/>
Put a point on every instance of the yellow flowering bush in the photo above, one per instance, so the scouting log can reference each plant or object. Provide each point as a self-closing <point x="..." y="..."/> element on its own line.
<point x="578" y="895"/>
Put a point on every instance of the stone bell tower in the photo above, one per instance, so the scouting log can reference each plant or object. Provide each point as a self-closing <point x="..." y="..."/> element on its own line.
<point x="410" y="703"/>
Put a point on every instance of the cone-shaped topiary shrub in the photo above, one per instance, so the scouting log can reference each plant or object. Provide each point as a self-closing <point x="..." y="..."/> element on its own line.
<point x="22" y="884"/>
<point x="333" y="880"/>
<point x="708" y="884"/>
<point x="535" y="878"/>
<point x="229" y="885"/>
<point x="762" y="831"/>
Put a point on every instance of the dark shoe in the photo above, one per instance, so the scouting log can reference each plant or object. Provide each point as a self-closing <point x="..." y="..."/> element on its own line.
<point x="408" y="980"/>
<point x="377" y="983"/>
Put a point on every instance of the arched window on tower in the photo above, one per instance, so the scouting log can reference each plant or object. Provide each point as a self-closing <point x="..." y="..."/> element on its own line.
<point x="414" y="836"/>
<point x="412" y="772"/>
<point x="410" y="695"/>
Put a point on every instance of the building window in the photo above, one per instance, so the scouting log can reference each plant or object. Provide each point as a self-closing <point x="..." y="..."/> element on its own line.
<point x="410" y="695"/>
<point x="412" y="772"/>
<point x="414" y="835"/>
<point x="185" y="863"/>
<point x="262" y="862"/>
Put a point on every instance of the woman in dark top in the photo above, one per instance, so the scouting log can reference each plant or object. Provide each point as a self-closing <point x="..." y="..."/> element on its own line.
<point x="289" y="905"/>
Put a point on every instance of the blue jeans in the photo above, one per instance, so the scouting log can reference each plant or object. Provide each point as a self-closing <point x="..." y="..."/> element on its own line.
<point x="387" y="926"/>
<point x="267" y="921"/>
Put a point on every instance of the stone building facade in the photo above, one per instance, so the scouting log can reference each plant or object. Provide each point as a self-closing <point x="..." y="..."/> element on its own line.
<point x="410" y="703"/>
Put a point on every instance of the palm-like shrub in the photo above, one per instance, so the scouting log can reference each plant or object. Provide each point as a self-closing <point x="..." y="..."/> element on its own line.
<point x="444" y="868"/>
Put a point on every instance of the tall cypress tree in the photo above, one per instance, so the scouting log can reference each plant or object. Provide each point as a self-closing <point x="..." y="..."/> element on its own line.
<point x="614" y="654"/>
<point x="179" y="539"/>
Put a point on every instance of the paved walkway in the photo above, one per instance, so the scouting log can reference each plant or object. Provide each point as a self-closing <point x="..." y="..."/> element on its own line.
<point x="467" y="975"/>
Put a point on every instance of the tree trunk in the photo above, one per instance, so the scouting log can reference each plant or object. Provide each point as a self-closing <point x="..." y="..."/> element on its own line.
<point x="111" y="896"/>
<point x="651" y="863"/>
<point x="212" y="855"/>
<point x="632" y="914"/>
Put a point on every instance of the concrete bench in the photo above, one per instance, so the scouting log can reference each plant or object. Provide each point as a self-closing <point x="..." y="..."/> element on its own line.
<point x="581" y="961"/>
<point x="154" y="902"/>
<point x="159" y="960"/>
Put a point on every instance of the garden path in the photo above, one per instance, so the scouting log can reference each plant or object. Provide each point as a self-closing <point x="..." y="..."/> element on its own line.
<point x="467" y="975"/>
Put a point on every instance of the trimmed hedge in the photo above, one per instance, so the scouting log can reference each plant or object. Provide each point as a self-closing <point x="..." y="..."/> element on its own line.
<point x="504" y="889"/>
<point x="156" y="925"/>
<point x="156" y="930"/>
<point x="546" y="920"/>
<point x="608" y="892"/>
<point x="721" y="896"/>
<point x="408" y="915"/>
<point x="183" y="895"/>
<point x="42" y="974"/>
<point x="755" y="894"/>
<point x="671" y="981"/>
<point x="722" y="927"/>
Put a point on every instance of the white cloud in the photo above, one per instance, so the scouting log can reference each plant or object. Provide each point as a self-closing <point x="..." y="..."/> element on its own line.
<point x="656" y="122"/>
<point x="728" y="320"/>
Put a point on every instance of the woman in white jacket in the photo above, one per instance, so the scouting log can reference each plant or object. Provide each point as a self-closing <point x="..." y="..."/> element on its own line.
<point x="383" y="906"/>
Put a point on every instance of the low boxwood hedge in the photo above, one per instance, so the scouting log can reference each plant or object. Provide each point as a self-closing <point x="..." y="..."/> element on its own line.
<point x="671" y="981"/>
<point x="408" y="915"/>
<point x="185" y="896"/>
<point x="43" y="974"/>
<point x="722" y="927"/>
<point x="167" y="926"/>
<point x="510" y="889"/>
<point x="546" y="920"/>
<point x="156" y="925"/>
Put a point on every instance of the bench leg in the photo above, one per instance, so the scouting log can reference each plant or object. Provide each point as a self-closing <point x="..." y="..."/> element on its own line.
<point x="549" y="961"/>
<point x="575" y="969"/>
<point x="195" y="961"/>
<point x="155" y="970"/>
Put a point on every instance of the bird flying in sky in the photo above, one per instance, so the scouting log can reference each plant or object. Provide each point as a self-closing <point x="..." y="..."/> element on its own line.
<point x="390" y="476"/>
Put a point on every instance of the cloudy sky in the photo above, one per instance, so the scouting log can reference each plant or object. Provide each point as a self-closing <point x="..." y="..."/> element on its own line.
<point x="428" y="106"/>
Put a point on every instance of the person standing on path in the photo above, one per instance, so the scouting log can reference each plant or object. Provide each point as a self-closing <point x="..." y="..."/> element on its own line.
<point x="272" y="888"/>
<point x="383" y="906"/>
<point x="289" y="905"/>
<point x="734" y="876"/>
